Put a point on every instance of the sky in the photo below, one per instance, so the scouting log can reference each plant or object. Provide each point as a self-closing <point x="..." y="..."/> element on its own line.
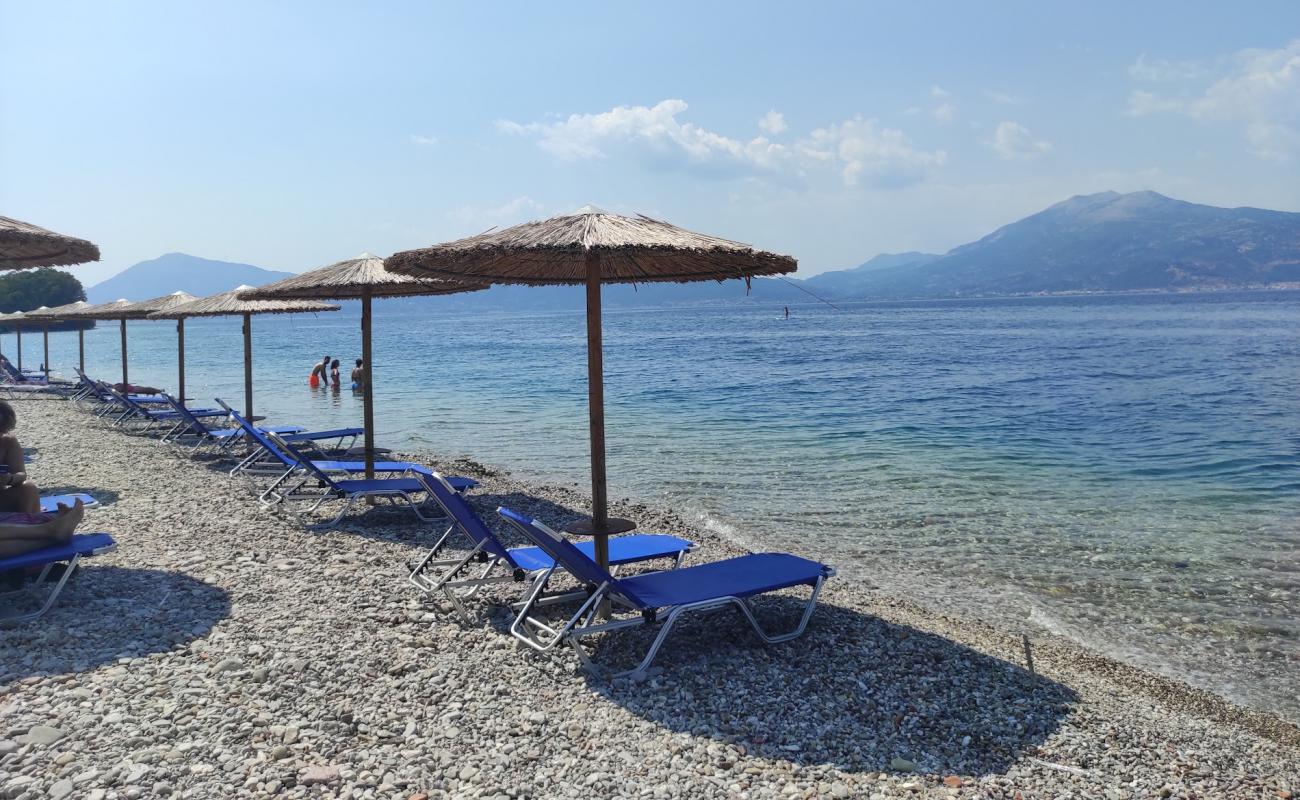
<point x="293" y="135"/>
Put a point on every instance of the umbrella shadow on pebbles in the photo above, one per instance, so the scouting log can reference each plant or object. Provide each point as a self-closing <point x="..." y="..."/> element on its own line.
<point x="855" y="692"/>
<point x="108" y="613"/>
<point x="105" y="497"/>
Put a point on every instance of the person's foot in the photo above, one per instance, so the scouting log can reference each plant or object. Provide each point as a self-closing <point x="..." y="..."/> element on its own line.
<point x="66" y="519"/>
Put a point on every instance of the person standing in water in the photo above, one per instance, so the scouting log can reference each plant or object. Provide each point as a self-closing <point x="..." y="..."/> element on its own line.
<point x="320" y="373"/>
<point x="358" y="376"/>
<point x="787" y="312"/>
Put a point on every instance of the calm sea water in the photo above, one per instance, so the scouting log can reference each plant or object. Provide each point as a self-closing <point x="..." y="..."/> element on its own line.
<point x="1121" y="470"/>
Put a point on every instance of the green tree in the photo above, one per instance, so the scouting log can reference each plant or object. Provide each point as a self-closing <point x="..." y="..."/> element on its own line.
<point x="23" y="290"/>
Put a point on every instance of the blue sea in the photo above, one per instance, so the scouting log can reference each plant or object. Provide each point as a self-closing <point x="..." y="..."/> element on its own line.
<point x="1121" y="470"/>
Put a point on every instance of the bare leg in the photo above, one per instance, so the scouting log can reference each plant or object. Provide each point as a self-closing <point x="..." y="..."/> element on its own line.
<point x="17" y="539"/>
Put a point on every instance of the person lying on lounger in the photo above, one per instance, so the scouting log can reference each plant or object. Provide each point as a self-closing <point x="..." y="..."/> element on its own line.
<point x="17" y="493"/>
<point x="135" y="388"/>
<point x="23" y="533"/>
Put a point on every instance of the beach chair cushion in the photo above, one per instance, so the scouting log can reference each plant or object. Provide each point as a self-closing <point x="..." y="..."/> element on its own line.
<point x="458" y="483"/>
<point x="622" y="550"/>
<point x="82" y="544"/>
<point x="742" y="576"/>
<point x="379" y="485"/>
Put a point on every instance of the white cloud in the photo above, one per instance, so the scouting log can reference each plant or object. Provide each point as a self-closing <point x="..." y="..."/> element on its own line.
<point x="1258" y="90"/>
<point x="866" y="154"/>
<point x="511" y="212"/>
<point x="938" y="92"/>
<point x="857" y="150"/>
<point x="1012" y="140"/>
<point x="1003" y="98"/>
<point x="773" y="123"/>
<point x="427" y="141"/>
<point x="1160" y="70"/>
<point x="1141" y="103"/>
<point x="943" y="114"/>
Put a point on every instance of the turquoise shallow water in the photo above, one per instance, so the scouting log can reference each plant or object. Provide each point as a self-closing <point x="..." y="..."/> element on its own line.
<point x="1121" y="470"/>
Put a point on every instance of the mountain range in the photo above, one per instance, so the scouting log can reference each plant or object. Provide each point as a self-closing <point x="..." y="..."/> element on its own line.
<point x="1104" y="242"/>
<point x="175" y="272"/>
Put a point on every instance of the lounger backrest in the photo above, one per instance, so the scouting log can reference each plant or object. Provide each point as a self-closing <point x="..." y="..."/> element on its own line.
<point x="276" y="448"/>
<point x="194" y="423"/>
<point x="294" y="456"/>
<point x="459" y="509"/>
<point x="9" y="367"/>
<point x="559" y="548"/>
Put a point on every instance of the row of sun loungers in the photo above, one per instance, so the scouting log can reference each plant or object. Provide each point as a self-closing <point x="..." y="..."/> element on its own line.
<point x="293" y="467"/>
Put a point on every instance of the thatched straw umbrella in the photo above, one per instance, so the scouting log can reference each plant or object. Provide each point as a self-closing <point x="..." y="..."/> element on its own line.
<point x="24" y="245"/>
<point x="144" y="310"/>
<point x="228" y="304"/>
<point x="24" y="319"/>
<point x="15" y="321"/>
<point x="363" y="278"/>
<point x="66" y="313"/>
<point x="592" y="247"/>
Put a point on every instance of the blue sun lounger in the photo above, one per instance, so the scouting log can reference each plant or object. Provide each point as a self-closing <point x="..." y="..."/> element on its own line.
<point x="292" y="433"/>
<point x="133" y="410"/>
<point x="659" y="596"/>
<point x="82" y="544"/>
<point x="195" y="429"/>
<point x="286" y="460"/>
<point x="350" y="490"/>
<point x="50" y="502"/>
<point x="461" y="578"/>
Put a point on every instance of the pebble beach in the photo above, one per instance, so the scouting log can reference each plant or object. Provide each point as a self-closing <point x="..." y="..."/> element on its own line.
<point x="225" y="650"/>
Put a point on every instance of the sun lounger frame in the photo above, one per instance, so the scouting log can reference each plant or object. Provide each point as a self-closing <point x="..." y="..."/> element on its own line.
<point x="585" y="622"/>
<point x="458" y="580"/>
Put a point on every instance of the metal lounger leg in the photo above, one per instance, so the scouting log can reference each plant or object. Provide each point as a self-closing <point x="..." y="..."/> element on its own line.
<point x="51" y="596"/>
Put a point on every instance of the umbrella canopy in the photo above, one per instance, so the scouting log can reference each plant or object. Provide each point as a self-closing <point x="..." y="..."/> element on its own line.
<point x="144" y="308"/>
<point x="58" y="313"/>
<point x="592" y="247"/>
<point x="229" y="304"/>
<point x="363" y="278"/>
<point x="557" y="250"/>
<point x="24" y="245"/>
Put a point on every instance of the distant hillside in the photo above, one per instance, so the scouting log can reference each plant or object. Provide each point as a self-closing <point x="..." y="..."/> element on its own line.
<point x="179" y="272"/>
<point x="1101" y="242"/>
<point x="1109" y="242"/>
<point x="848" y="283"/>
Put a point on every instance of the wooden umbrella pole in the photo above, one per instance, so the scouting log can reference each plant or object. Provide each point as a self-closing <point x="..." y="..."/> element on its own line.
<point x="180" y="360"/>
<point x="81" y="348"/>
<point x="126" y="384"/>
<point x="367" y="391"/>
<point x="248" y="366"/>
<point x="45" y="334"/>
<point x="596" y="409"/>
